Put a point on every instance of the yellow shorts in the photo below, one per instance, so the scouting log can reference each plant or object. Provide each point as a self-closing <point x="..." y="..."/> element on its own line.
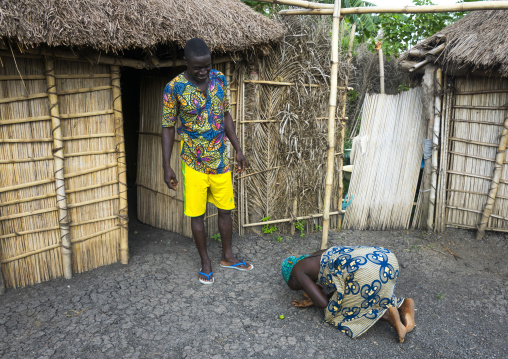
<point x="200" y="188"/>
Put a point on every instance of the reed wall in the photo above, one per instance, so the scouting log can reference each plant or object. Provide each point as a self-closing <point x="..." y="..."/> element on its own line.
<point x="479" y="108"/>
<point x="31" y="221"/>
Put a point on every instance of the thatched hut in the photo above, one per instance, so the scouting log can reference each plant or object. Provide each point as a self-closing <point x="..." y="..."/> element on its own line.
<point x="467" y="178"/>
<point x="73" y="77"/>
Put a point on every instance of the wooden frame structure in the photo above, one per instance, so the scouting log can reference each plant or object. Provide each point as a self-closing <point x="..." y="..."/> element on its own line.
<point x="335" y="10"/>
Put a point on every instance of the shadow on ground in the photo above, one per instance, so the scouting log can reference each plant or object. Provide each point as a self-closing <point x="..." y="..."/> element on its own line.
<point x="154" y="307"/>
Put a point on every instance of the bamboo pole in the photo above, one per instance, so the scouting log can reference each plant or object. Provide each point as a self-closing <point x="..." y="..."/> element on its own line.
<point x="122" y="165"/>
<point x="331" y="122"/>
<point x="58" y="155"/>
<point x="462" y="7"/>
<point x="498" y="169"/>
<point x="281" y="83"/>
<point x="343" y="127"/>
<point x="317" y="215"/>
<point x="381" y="67"/>
<point x="435" y="145"/>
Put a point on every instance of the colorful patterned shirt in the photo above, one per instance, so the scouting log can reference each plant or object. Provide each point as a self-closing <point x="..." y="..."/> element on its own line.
<point x="202" y="116"/>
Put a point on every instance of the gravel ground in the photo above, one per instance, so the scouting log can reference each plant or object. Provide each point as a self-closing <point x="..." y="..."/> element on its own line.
<point x="154" y="307"/>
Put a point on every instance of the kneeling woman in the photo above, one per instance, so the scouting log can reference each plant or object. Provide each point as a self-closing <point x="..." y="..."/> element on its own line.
<point x="359" y="282"/>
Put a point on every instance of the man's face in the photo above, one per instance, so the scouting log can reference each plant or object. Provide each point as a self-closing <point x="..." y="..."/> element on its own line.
<point x="198" y="67"/>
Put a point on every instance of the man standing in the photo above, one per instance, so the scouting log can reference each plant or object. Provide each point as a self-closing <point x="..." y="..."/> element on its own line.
<point x="199" y="97"/>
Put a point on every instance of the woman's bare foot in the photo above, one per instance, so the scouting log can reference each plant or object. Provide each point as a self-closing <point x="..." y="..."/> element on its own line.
<point x="392" y="317"/>
<point x="407" y="314"/>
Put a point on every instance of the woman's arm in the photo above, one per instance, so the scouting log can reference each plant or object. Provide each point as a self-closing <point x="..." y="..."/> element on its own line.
<point x="314" y="292"/>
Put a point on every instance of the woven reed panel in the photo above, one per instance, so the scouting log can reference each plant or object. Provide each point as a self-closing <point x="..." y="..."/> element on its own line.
<point x="84" y="133"/>
<point x="28" y="213"/>
<point x="473" y="148"/>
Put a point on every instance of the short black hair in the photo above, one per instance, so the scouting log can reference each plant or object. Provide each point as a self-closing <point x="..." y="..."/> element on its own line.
<point x="195" y="47"/>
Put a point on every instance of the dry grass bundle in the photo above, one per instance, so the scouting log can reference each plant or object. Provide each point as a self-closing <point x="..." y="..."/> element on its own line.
<point x="477" y="41"/>
<point x="225" y="25"/>
<point x="287" y="133"/>
<point x="387" y="165"/>
<point x="479" y="111"/>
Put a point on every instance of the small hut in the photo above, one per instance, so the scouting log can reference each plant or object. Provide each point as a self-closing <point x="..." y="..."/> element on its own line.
<point x="465" y="183"/>
<point x="80" y="87"/>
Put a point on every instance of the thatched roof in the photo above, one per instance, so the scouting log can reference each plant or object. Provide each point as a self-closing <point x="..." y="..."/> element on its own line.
<point x="116" y="25"/>
<point x="478" y="41"/>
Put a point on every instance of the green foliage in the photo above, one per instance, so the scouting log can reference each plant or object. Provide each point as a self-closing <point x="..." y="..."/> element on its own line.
<point x="318" y="228"/>
<point x="300" y="226"/>
<point x="279" y="238"/>
<point x="267" y="229"/>
<point x="263" y="8"/>
<point x="216" y="237"/>
<point x="400" y="32"/>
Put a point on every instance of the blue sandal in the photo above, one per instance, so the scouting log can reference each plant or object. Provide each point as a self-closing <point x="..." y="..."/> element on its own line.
<point x="207" y="277"/>
<point x="242" y="263"/>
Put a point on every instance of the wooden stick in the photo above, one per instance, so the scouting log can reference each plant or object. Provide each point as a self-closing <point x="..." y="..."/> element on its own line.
<point x="479" y="5"/>
<point x="23" y="98"/>
<point x="10" y="235"/>
<point x="26" y="214"/>
<point x="343" y="127"/>
<point x="26" y="185"/>
<point x="24" y="120"/>
<point x="381" y="68"/>
<point x="280" y="83"/>
<point x="122" y="165"/>
<point x="93" y="221"/>
<point x="22" y="160"/>
<point x="472" y="156"/>
<point x="92" y="201"/>
<point x="292" y="219"/>
<point x="331" y="122"/>
<point x="88" y="136"/>
<point x="498" y="169"/>
<point x="27" y="254"/>
<point x="85" y="114"/>
<point x="472" y="142"/>
<point x="80" y="189"/>
<point x="89" y="153"/>
<point x="476" y="176"/>
<point x="479" y="92"/>
<point x="478" y="122"/>
<point x="61" y="198"/>
<point x="435" y="145"/>
<point x="90" y="170"/>
<point x="29" y="199"/>
<point x="25" y="140"/>
<point x="493" y="108"/>
<point x="42" y="77"/>
<point x="84" y="90"/>
<point x="93" y="235"/>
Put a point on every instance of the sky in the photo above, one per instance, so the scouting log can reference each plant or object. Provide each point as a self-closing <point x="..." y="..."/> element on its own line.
<point x="408" y="2"/>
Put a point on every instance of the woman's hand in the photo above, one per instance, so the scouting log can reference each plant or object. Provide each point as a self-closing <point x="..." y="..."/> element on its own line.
<point x="307" y="302"/>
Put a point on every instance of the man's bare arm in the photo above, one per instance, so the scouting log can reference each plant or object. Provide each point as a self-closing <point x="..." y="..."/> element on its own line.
<point x="168" y="138"/>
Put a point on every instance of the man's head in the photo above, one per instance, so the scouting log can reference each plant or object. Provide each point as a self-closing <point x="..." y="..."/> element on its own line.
<point x="198" y="60"/>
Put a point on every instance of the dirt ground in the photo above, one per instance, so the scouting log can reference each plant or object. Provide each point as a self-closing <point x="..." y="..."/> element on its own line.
<point x="154" y="307"/>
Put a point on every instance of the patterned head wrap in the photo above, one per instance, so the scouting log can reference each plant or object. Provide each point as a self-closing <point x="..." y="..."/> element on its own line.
<point x="288" y="264"/>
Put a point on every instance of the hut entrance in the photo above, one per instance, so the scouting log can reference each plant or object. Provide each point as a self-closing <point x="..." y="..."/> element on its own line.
<point x="157" y="205"/>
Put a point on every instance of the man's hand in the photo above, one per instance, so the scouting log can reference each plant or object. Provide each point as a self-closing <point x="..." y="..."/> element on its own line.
<point x="240" y="162"/>
<point x="170" y="179"/>
<point x="307" y="302"/>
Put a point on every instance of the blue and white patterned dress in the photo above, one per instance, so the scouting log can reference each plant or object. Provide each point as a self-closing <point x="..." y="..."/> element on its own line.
<point x="362" y="280"/>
